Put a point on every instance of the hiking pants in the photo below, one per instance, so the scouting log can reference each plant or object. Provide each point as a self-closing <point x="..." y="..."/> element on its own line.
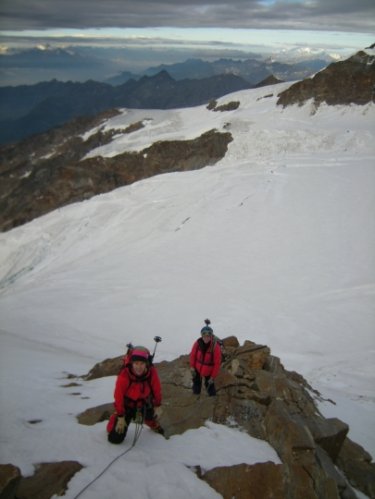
<point x="130" y="413"/>
<point x="197" y="385"/>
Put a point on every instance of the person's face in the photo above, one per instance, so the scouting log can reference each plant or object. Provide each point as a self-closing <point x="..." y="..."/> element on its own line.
<point x="139" y="367"/>
<point x="206" y="338"/>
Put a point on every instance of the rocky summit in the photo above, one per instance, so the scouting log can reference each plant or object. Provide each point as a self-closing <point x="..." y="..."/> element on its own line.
<point x="347" y="82"/>
<point x="257" y="395"/>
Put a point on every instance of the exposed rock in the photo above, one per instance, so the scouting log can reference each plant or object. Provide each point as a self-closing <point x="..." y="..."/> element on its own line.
<point x="212" y="104"/>
<point x="47" y="172"/>
<point x="357" y="465"/>
<point x="95" y="415"/>
<point x="229" y="106"/>
<point x="108" y="367"/>
<point x="181" y="409"/>
<point x="329" y="434"/>
<point x="346" y="82"/>
<point x="255" y="356"/>
<point x="49" y="479"/>
<point x="10" y="477"/>
<point x="230" y="342"/>
<point x="268" y="481"/>
<point x="255" y="392"/>
<point x="344" y="489"/>
<point x="243" y="481"/>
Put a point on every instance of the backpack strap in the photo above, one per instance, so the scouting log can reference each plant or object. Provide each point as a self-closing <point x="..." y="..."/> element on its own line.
<point x="213" y="344"/>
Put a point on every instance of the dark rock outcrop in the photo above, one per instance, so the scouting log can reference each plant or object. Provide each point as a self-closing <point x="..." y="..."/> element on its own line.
<point x="10" y="477"/>
<point x="49" y="171"/>
<point x="108" y="367"/>
<point x="243" y="481"/>
<point x="48" y="480"/>
<point x="96" y="414"/>
<point x="357" y="464"/>
<point x="229" y="106"/>
<point x="348" y="82"/>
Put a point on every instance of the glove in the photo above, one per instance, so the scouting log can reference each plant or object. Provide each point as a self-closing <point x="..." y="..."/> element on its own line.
<point x="210" y="381"/>
<point x="158" y="411"/>
<point x="193" y="371"/>
<point x="120" y="424"/>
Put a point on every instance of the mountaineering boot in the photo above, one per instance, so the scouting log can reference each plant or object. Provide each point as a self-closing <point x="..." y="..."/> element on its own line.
<point x="158" y="429"/>
<point x="155" y="426"/>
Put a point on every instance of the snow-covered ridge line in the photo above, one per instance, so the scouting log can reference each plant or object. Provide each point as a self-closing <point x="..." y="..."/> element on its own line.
<point x="266" y="128"/>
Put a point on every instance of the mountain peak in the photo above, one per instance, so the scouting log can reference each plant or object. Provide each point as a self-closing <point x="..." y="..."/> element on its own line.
<point x="346" y="82"/>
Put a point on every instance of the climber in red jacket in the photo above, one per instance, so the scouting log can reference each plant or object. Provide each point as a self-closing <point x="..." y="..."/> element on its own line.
<point x="137" y="396"/>
<point x="205" y="360"/>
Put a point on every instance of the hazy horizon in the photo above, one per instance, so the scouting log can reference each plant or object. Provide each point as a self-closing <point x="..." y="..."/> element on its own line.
<point x="150" y="33"/>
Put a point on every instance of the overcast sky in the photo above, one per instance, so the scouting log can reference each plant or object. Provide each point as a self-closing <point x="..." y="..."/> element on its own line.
<point x="334" y="15"/>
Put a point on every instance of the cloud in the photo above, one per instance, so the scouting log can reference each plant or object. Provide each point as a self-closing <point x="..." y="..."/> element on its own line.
<point x="335" y="15"/>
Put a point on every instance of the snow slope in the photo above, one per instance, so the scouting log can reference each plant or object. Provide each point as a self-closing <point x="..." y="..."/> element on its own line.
<point x="275" y="243"/>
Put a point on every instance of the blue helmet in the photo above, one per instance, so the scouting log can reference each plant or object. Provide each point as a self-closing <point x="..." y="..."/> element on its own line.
<point x="207" y="330"/>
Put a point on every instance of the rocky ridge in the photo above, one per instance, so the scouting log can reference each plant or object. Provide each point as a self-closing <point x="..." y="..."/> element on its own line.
<point x="346" y="82"/>
<point x="50" y="170"/>
<point x="259" y="396"/>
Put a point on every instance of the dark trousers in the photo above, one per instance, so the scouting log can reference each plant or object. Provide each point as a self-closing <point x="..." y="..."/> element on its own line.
<point x="197" y="385"/>
<point x="148" y="417"/>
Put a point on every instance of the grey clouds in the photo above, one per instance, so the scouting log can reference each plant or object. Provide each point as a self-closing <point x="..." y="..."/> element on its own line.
<point x="333" y="15"/>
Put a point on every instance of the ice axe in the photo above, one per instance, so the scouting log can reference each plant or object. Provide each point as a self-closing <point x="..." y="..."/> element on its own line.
<point x="157" y="340"/>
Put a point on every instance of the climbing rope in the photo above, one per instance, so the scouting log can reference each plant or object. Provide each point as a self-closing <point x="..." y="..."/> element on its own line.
<point x="137" y="434"/>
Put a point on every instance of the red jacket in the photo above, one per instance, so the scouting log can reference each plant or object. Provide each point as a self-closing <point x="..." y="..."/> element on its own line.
<point x="136" y="391"/>
<point x="206" y="359"/>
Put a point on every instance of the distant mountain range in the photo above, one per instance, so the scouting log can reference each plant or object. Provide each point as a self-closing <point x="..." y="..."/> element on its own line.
<point x="117" y="64"/>
<point x="29" y="109"/>
<point x="55" y="168"/>
<point x="252" y="70"/>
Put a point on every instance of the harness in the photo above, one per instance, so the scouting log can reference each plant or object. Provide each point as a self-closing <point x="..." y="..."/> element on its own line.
<point x="140" y="402"/>
<point x="203" y="348"/>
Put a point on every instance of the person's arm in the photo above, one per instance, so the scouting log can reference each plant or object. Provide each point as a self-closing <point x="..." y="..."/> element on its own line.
<point x="122" y="384"/>
<point x="193" y="355"/>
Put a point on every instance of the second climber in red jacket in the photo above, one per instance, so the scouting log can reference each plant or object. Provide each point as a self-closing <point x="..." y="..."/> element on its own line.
<point x="205" y="360"/>
<point x="137" y="396"/>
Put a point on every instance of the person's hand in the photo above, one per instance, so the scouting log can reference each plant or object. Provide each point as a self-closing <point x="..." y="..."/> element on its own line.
<point x="120" y="424"/>
<point x="210" y="381"/>
<point x="193" y="371"/>
<point x="158" y="411"/>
